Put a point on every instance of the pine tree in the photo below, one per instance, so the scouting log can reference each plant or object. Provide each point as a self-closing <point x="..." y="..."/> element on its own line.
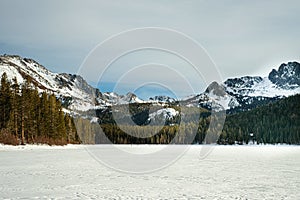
<point x="44" y="116"/>
<point x="53" y="132"/>
<point x="5" y="101"/>
<point x="14" y="116"/>
<point x="61" y="126"/>
<point x="33" y="114"/>
<point x="25" y="110"/>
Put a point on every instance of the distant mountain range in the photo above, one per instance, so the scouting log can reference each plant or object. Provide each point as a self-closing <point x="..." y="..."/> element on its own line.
<point x="234" y="94"/>
<point x="245" y="93"/>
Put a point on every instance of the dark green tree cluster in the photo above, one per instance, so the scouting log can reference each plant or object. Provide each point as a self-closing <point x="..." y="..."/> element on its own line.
<point x="277" y="122"/>
<point x="116" y="135"/>
<point x="27" y="117"/>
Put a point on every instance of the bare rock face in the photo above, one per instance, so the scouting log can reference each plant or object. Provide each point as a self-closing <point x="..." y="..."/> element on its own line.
<point x="287" y="76"/>
<point x="216" y="89"/>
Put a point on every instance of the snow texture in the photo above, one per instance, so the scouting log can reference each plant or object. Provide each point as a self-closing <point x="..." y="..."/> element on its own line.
<point x="229" y="172"/>
<point x="167" y="113"/>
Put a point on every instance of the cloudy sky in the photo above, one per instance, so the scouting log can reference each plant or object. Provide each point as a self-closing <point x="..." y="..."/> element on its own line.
<point x="241" y="37"/>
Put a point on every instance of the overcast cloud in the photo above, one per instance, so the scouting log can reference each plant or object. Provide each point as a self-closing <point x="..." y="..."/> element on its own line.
<point x="242" y="37"/>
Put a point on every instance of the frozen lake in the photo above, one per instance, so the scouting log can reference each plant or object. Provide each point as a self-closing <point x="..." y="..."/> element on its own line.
<point x="228" y="172"/>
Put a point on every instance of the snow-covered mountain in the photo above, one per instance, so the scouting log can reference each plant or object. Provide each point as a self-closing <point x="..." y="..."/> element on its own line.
<point x="234" y="94"/>
<point x="72" y="90"/>
<point x="287" y="77"/>
<point x="247" y="92"/>
<point x="111" y="98"/>
<point x="167" y="113"/>
<point x="162" y="99"/>
<point x="216" y="94"/>
<point x="162" y="115"/>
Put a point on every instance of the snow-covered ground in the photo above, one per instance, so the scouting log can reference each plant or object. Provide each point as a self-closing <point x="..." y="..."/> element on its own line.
<point x="228" y="172"/>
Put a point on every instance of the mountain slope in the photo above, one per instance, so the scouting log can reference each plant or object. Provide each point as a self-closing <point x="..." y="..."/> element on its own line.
<point x="72" y="90"/>
<point x="244" y="93"/>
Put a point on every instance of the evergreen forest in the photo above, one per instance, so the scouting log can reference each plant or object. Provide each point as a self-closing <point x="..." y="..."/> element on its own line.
<point x="28" y="117"/>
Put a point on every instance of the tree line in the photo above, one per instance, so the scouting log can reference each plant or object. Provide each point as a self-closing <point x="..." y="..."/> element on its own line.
<point x="273" y="123"/>
<point x="28" y="117"/>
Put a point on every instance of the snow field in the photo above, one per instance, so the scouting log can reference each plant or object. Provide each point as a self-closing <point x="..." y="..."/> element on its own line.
<point x="228" y="172"/>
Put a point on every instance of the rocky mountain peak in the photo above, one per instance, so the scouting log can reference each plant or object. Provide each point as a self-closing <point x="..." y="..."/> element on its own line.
<point x="216" y="89"/>
<point x="287" y="76"/>
<point x="161" y="98"/>
<point x="130" y="97"/>
<point x="243" y="82"/>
